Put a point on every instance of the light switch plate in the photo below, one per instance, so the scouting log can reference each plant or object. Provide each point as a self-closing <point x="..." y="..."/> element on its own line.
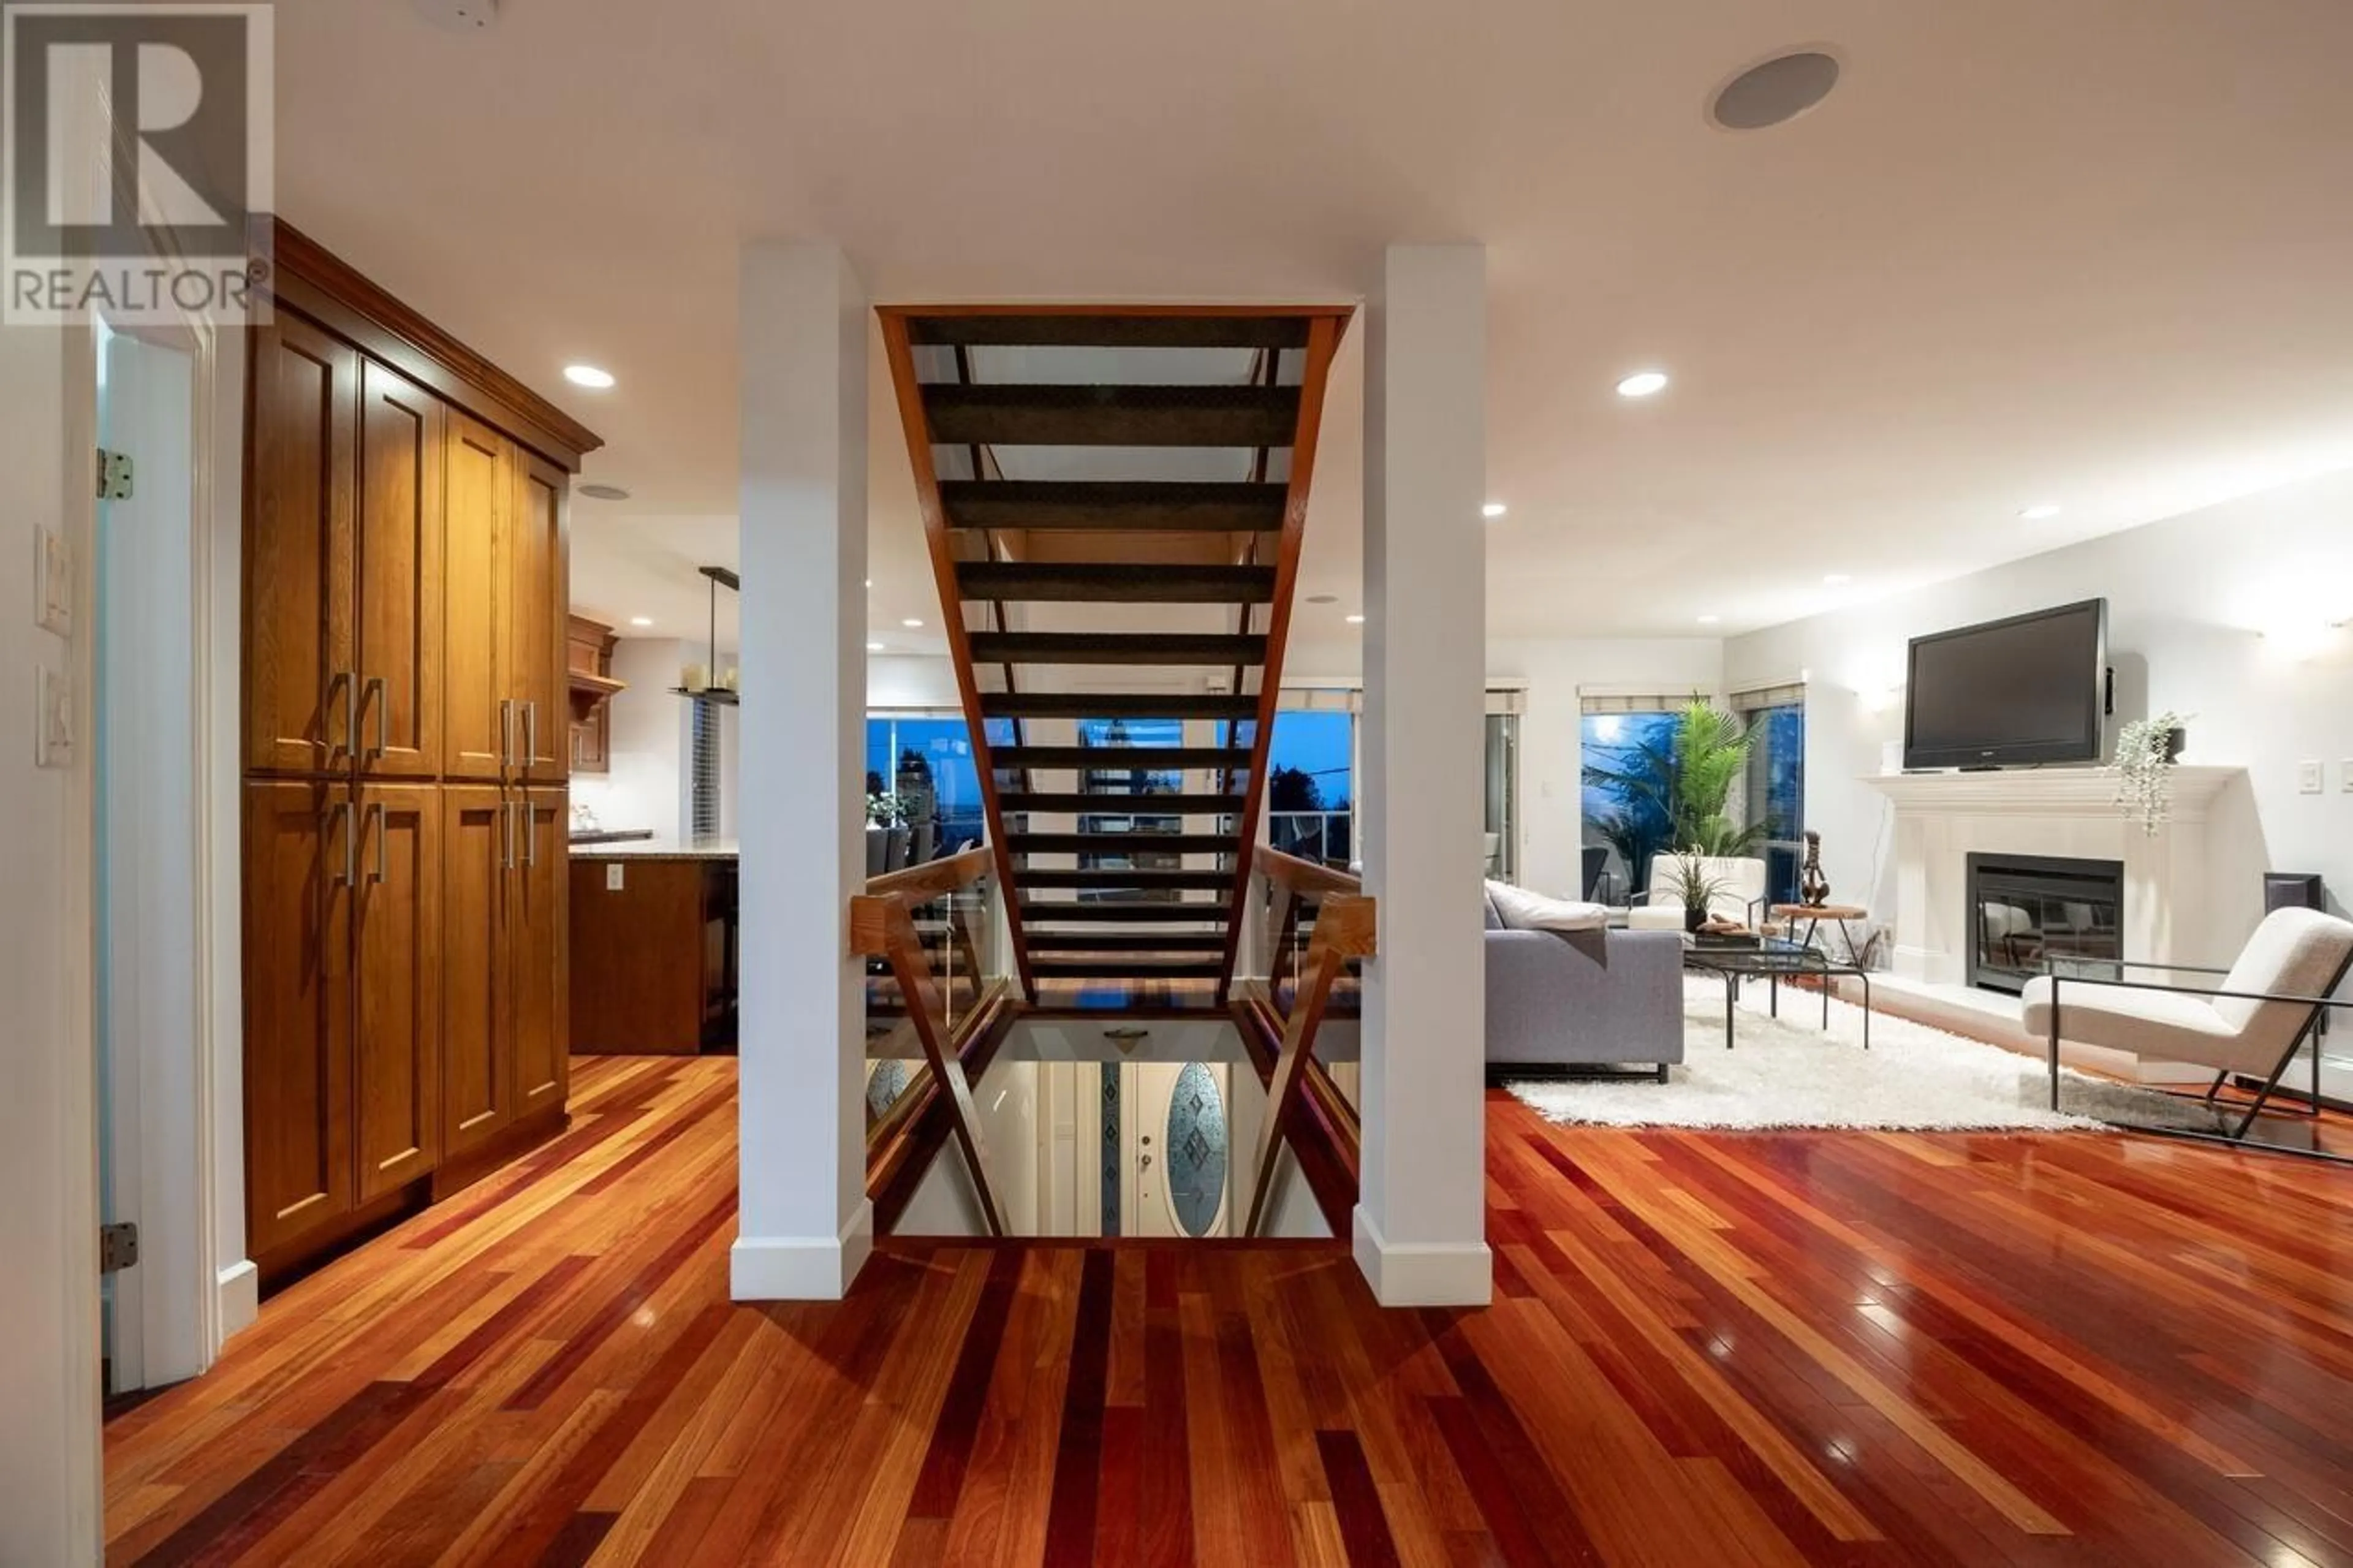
<point x="2344" y="776"/>
<point x="52" y="718"/>
<point x="2307" y="776"/>
<point x="614" y="877"/>
<point x="52" y="582"/>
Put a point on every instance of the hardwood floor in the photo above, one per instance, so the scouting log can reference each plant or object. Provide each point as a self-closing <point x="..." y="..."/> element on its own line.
<point x="1704" y="1349"/>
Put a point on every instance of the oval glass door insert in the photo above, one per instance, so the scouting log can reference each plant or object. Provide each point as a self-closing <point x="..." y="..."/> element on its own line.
<point x="1196" y="1150"/>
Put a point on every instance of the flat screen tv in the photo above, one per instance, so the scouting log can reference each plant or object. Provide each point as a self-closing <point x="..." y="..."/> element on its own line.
<point x="2030" y="689"/>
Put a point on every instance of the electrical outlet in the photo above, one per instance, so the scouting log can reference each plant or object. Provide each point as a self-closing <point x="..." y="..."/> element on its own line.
<point x="2344" y="776"/>
<point x="2307" y="776"/>
<point x="614" y="877"/>
<point x="52" y="718"/>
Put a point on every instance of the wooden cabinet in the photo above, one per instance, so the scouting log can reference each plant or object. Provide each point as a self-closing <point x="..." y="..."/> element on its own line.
<point x="302" y="699"/>
<point x="478" y="856"/>
<point x="300" y="857"/>
<point x="478" y="709"/>
<point x="538" y="597"/>
<point x="588" y="667"/>
<point x="396" y="984"/>
<point x="397" y="565"/>
<point x="406" y="736"/>
<point x="538" y="938"/>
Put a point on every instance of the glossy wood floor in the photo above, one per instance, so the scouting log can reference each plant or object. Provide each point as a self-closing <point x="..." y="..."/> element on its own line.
<point x="1704" y="1349"/>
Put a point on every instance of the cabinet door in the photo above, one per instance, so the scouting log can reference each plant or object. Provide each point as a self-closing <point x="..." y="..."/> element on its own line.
<point x="540" y="949"/>
<point x="301" y="697"/>
<point x="591" y="749"/>
<point x="300" y="851"/>
<point x="478" y="707"/>
<point x="398" y="567"/>
<point x="538" y="597"/>
<point x="396" y="977"/>
<point x="478" y="851"/>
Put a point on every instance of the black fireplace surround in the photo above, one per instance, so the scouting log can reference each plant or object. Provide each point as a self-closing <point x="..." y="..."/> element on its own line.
<point x="2031" y="913"/>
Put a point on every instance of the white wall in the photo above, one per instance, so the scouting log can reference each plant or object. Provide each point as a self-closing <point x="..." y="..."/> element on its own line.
<point x="48" y="1290"/>
<point x="2188" y="599"/>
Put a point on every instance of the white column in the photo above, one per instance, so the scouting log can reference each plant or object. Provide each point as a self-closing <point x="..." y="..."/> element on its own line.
<point x="804" y="1226"/>
<point x="1420" y="1229"/>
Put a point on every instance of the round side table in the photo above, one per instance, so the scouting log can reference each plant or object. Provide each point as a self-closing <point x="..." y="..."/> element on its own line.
<point x="1813" y="915"/>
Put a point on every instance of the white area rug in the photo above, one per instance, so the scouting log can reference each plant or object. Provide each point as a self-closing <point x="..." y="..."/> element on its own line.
<point x="1786" y="1072"/>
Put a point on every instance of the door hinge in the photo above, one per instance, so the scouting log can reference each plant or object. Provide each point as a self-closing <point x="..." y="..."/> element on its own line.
<point x="118" y="1247"/>
<point x="114" y="475"/>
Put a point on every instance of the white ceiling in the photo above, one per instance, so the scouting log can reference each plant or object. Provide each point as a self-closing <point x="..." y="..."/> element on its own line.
<point x="2097" y="253"/>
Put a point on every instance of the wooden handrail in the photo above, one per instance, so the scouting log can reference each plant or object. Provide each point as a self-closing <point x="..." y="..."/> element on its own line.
<point x="934" y="879"/>
<point x="1346" y="928"/>
<point x="882" y="925"/>
<point x="1307" y="879"/>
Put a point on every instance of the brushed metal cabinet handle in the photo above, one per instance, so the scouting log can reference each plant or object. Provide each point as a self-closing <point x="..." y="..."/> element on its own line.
<point x="383" y="835"/>
<point x="350" y="683"/>
<point x="528" y="824"/>
<point x="383" y="694"/>
<point x="506" y="836"/>
<point x="349" y="814"/>
<point x="531" y="733"/>
<point x="506" y="733"/>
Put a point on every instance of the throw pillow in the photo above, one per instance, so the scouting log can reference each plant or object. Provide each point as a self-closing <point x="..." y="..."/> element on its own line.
<point x="1524" y="910"/>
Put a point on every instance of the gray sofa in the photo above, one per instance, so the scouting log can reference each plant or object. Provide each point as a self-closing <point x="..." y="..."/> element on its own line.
<point x="1584" y="998"/>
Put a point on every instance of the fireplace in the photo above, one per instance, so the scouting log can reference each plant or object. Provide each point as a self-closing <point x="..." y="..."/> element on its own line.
<point x="2030" y="913"/>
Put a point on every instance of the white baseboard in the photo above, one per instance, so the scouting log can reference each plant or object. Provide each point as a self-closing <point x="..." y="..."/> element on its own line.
<point x="1423" y="1274"/>
<point x="236" y="1295"/>
<point x="799" y="1268"/>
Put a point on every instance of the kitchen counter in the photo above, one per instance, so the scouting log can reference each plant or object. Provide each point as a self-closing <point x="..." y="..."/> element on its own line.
<point x="658" y="849"/>
<point x="611" y="835"/>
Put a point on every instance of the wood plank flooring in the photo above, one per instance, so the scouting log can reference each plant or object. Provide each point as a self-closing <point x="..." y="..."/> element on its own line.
<point x="1704" y="1349"/>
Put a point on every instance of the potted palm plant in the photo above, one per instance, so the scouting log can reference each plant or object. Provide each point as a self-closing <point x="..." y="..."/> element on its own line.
<point x="1675" y="789"/>
<point x="1695" y="887"/>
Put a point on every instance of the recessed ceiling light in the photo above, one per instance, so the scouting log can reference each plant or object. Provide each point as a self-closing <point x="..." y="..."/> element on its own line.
<point x="1709" y="620"/>
<point x="1775" y="92"/>
<point x="2039" y="510"/>
<point x="874" y="648"/>
<point x="588" y="375"/>
<point x="642" y="620"/>
<point x="911" y="622"/>
<point x="1355" y="620"/>
<point x="1643" y="383"/>
<point x="602" y="492"/>
<point x="1837" y="579"/>
<point x="1494" y="509"/>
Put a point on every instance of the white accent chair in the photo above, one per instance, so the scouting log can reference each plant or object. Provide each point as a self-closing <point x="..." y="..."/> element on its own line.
<point x="1741" y="889"/>
<point x="2267" y="1005"/>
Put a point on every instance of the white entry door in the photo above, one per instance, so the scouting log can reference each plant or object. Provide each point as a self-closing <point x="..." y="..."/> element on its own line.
<point x="1180" y="1148"/>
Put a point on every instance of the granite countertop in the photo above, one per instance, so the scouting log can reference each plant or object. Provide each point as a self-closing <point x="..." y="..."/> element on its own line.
<point x="611" y="835"/>
<point x="658" y="849"/>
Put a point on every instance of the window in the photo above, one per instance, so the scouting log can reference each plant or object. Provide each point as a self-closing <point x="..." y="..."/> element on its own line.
<point x="1776" y="783"/>
<point x="1310" y="785"/>
<point x="1629" y="771"/>
<point x="922" y="764"/>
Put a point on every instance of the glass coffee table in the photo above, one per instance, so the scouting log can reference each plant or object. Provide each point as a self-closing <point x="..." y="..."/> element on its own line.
<point x="1774" y="960"/>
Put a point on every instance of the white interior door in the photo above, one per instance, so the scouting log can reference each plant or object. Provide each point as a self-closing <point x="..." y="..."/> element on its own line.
<point x="146" y="842"/>
<point x="1179" y="1146"/>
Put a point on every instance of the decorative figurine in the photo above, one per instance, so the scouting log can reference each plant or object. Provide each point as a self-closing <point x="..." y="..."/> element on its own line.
<point x="1813" y="887"/>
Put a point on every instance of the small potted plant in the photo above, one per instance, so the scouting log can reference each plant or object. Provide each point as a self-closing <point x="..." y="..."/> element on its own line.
<point x="1694" y="886"/>
<point x="886" y="832"/>
<point x="2147" y="751"/>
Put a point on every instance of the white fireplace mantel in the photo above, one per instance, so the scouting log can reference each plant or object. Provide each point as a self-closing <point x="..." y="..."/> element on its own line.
<point x="2046" y="791"/>
<point x="1942" y="818"/>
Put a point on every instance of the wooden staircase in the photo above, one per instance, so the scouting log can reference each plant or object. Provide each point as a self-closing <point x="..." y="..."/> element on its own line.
<point x="1115" y="501"/>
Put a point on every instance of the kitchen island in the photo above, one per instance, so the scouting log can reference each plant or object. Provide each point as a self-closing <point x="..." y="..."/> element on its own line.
<point x="654" y="947"/>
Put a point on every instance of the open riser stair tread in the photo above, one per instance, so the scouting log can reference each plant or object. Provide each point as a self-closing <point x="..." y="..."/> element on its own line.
<point x="1073" y="943"/>
<point x="1118" y="759"/>
<point x="1210" y="649"/>
<point x="1116" y="968"/>
<point x="1140" y="880"/>
<point x="1134" y="506"/>
<point x="1205" y="328"/>
<point x="1120" y="842"/>
<point x="1118" y="911"/>
<point x="1035" y="415"/>
<point x="1114" y="582"/>
<point x="1024" y="802"/>
<point x="1116" y="705"/>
